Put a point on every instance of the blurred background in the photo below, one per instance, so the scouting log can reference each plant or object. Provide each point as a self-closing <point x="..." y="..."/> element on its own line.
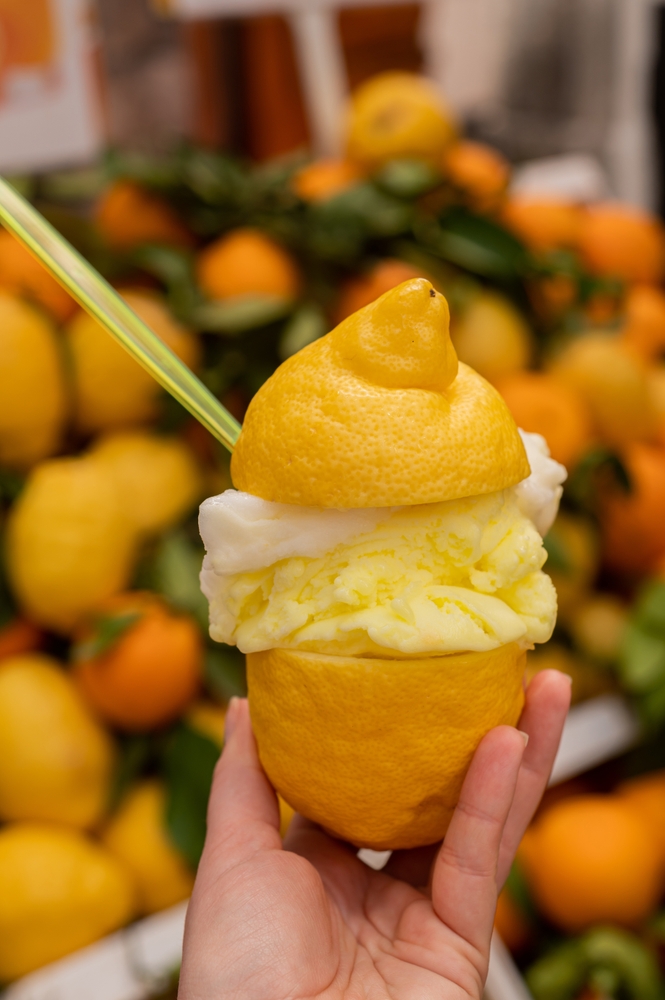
<point x="247" y="174"/>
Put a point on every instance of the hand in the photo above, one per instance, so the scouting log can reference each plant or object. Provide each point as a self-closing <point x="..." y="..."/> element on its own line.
<point x="309" y="920"/>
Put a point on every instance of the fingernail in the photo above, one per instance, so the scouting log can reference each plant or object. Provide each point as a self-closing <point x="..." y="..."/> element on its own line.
<point x="525" y="736"/>
<point x="231" y="718"/>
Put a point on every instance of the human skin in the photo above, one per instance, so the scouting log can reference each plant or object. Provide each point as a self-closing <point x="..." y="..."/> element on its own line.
<point x="306" y="920"/>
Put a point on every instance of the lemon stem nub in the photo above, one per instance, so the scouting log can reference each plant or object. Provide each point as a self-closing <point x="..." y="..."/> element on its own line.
<point x="401" y="340"/>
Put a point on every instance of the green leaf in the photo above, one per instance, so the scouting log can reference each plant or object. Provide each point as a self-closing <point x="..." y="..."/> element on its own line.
<point x="236" y="315"/>
<point x="614" y="961"/>
<point x="135" y="753"/>
<point x="599" y="469"/>
<point x="641" y="660"/>
<point x="174" y="573"/>
<point x="476" y="243"/>
<point x="11" y="484"/>
<point x="557" y="556"/>
<point x="189" y="762"/>
<point x="224" y="672"/>
<point x="651" y="708"/>
<point x="518" y="889"/>
<point x="108" y="629"/>
<point x="558" y="975"/>
<point x="625" y="959"/>
<point x="365" y="209"/>
<point x="649" y="610"/>
<point x="407" y="178"/>
<point x="305" y="326"/>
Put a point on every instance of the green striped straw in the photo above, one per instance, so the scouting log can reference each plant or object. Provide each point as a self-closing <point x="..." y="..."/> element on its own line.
<point x="94" y="294"/>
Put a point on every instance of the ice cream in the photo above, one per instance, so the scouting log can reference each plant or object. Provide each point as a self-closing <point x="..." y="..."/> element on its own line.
<point x="431" y="578"/>
<point x="380" y="563"/>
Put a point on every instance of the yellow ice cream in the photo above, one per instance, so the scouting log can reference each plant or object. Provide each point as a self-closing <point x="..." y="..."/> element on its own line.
<point x="432" y="578"/>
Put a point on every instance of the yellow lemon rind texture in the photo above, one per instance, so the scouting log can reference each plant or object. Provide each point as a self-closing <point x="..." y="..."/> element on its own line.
<point x="376" y="750"/>
<point x="319" y="435"/>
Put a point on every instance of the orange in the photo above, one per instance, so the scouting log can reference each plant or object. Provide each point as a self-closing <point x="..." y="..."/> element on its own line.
<point x="359" y="292"/>
<point x="621" y="241"/>
<point x="324" y="179"/>
<point x="552" y="296"/>
<point x="247" y="262"/>
<point x="646" y="795"/>
<point x="377" y="414"/>
<point x="20" y="636"/>
<point x="510" y="923"/>
<point x="22" y="274"/>
<point x="592" y="859"/>
<point x="644" y="327"/>
<point x="397" y="115"/>
<point x="479" y="172"/>
<point x="544" y="406"/>
<point x="633" y="525"/>
<point x="542" y="223"/>
<point x="150" y="673"/>
<point x="331" y="732"/>
<point x="127" y="216"/>
<point x="613" y="383"/>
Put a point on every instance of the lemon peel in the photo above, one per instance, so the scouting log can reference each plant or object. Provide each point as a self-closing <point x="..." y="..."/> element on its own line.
<point x="378" y="413"/>
<point x="376" y="749"/>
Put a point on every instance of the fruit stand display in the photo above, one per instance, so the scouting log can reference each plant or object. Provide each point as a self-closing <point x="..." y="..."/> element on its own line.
<point x="111" y="694"/>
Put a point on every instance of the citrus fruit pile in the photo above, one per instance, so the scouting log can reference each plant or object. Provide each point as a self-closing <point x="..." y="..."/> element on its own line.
<point x="111" y="693"/>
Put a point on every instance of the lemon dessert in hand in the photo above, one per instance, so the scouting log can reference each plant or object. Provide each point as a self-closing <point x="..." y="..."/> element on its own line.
<point x="379" y="562"/>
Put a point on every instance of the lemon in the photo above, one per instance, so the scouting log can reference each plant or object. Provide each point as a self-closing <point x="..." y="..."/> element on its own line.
<point x="376" y="414"/>
<point x="158" y="476"/>
<point x="69" y="542"/>
<point x="55" y="758"/>
<point x="208" y="719"/>
<point x="574" y="561"/>
<point x="32" y="385"/>
<point x="492" y="336"/>
<point x="58" y="892"/>
<point x="332" y="732"/>
<point x="111" y="389"/>
<point x="614" y="383"/>
<point x="397" y="116"/>
<point x="137" y="836"/>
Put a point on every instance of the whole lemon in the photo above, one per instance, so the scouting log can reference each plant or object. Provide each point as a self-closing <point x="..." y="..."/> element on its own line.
<point x="137" y="836"/>
<point x="111" y="389"/>
<point x="492" y="336"/>
<point x="55" y="758"/>
<point x="59" y="891"/>
<point x="158" y="476"/>
<point x="32" y="385"/>
<point x="70" y="543"/>
<point x="397" y="116"/>
<point x="613" y="382"/>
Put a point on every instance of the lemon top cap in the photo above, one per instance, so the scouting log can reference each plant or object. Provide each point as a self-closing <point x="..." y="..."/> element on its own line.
<point x="379" y="413"/>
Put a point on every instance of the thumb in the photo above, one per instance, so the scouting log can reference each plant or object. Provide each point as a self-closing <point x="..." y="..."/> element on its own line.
<point x="243" y="814"/>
